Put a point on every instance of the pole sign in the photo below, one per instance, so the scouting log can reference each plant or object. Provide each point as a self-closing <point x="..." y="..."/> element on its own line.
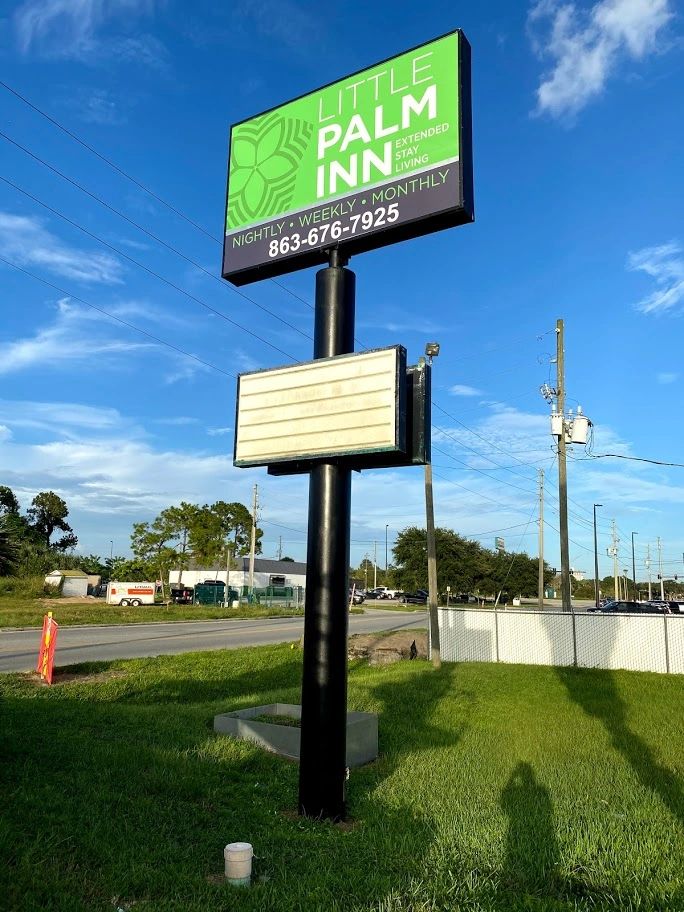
<point x="378" y="157"/>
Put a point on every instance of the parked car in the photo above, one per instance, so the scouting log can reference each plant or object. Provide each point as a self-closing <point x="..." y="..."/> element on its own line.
<point x="356" y="597"/>
<point x="391" y="593"/>
<point x="624" y="607"/>
<point x="383" y="592"/>
<point x="419" y="597"/>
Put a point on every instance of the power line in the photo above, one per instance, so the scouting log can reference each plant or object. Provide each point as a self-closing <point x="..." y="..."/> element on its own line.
<point x="147" y="269"/>
<point x="150" y="234"/>
<point x="107" y="161"/>
<point x="677" y="465"/>
<point x="117" y="319"/>
<point x="129" y="177"/>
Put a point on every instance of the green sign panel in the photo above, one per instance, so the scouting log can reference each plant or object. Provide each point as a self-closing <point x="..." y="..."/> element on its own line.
<point x="380" y="156"/>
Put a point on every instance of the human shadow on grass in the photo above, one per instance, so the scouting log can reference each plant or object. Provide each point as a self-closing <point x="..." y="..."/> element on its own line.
<point x="596" y="692"/>
<point x="531" y="846"/>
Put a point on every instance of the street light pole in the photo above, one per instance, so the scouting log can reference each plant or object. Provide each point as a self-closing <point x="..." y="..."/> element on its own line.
<point x="386" y="527"/>
<point x="596" y="567"/>
<point x="111" y="550"/>
<point x="634" y="567"/>
<point x="431" y="351"/>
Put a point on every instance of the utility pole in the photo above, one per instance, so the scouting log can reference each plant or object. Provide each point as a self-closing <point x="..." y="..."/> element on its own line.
<point x="229" y="549"/>
<point x="432" y="568"/>
<point x="562" y="471"/>
<point x="597" y="594"/>
<point x="614" y="552"/>
<point x="252" y="546"/>
<point x="648" y="567"/>
<point x="660" y="571"/>
<point x="375" y="565"/>
<point x="386" y="528"/>
<point x="280" y="547"/>
<point x="541" y="539"/>
<point x="636" y="595"/>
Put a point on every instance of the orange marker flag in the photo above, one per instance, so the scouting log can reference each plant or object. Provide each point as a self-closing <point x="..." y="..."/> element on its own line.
<point x="46" y="654"/>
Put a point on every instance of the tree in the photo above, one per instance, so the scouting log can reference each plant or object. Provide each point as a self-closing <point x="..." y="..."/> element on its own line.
<point x="236" y="524"/>
<point x="460" y="562"/>
<point x="135" y="571"/>
<point x="8" y="502"/>
<point x="188" y="531"/>
<point x="464" y="565"/>
<point x="47" y="513"/>
<point x="9" y="551"/>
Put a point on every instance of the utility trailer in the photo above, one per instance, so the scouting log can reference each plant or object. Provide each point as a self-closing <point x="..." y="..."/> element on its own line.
<point x="135" y="594"/>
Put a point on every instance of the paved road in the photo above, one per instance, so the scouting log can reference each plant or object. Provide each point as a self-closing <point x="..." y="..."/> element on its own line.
<point x="19" y="648"/>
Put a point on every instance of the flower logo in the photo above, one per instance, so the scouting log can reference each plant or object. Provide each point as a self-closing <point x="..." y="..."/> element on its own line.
<point x="264" y="159"/>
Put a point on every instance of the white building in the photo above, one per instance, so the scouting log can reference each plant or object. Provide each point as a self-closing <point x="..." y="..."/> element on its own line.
<point x="71" y="582"/>
<point x="266" y="573"/>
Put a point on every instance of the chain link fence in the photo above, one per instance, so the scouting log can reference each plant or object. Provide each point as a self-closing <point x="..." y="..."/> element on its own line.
<point x="588" y="640"/>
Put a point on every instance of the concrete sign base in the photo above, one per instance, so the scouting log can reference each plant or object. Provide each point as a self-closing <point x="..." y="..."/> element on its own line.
<point x="362" y="731"/>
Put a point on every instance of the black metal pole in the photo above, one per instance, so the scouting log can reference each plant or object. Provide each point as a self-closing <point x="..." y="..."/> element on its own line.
<point x="322" y="761"/>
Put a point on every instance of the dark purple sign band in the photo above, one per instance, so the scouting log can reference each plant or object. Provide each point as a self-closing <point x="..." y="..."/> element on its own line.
<point x="358" y="222"/>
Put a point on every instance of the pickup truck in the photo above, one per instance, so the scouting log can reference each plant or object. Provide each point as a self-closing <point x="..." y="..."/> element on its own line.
<point x="383" y="592"/>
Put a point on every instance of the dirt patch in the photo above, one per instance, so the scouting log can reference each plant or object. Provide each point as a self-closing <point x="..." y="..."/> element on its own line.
<point x="74" y="600"/>
<point x="383" y="648"/>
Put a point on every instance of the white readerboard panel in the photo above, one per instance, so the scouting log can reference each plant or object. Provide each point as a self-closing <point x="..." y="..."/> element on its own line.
<point x="349" y="404"/>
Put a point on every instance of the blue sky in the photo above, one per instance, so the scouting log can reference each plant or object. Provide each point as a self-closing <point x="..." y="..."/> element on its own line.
<point x="579" y="198"/>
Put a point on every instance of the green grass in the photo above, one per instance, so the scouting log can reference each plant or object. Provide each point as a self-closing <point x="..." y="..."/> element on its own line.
<point x="392" y="605"/>
<point x="498" y="788"/>
<point x="288" y="721"/>
<point x="29" y="612"/>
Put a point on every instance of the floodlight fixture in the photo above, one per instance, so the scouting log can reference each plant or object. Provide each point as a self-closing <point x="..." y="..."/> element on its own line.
<point x="431" y="351"/>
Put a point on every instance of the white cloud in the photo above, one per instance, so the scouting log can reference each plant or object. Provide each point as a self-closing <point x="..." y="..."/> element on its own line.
<point x="26" y="241"/>
<point x="118" y="475"/>
<point x="460" y="389"/>
<point x="665" y="264"/>
<point x="667" y="377"/>
<point x="5" y="433"/>
<point x="71" y="29"/>
<point x="98" y="106"/>
<point x="219" y="431"/>
<point x="186" y="370"/>
<point x="178" y="421"/>
<point x="78" y="335"/>
<point x="587" y="46"/>
<point x="60" y="417"/>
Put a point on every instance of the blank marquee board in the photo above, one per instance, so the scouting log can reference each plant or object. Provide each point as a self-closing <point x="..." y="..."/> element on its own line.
<point x="331" y="407"/>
